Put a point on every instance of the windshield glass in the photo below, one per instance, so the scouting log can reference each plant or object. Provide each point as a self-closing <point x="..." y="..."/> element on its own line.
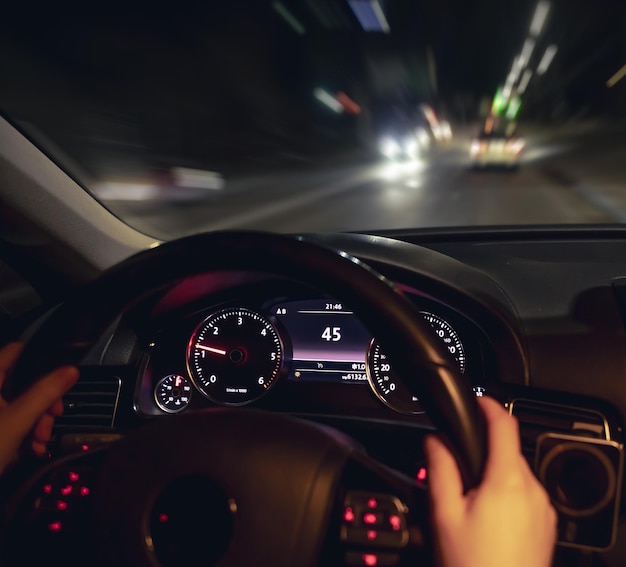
<point x="328" y="115"/>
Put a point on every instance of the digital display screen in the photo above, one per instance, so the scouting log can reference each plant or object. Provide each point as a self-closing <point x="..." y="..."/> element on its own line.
<point x="329" y="343"/>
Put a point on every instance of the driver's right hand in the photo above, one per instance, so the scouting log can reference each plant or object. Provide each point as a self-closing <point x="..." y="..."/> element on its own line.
<point x="507" y="519"/>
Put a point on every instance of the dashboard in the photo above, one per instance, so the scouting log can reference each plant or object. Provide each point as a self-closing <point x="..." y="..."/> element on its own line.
<point x="519" y="319"/>
<point x="294" y="352"/>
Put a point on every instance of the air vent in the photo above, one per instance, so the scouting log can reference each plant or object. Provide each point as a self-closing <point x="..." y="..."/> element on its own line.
<point x="90" y="403"/>
<point x="536" y="418"/>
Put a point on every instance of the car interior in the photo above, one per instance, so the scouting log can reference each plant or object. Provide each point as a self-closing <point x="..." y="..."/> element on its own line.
<point x="286" y="243"/>
<point x="254" y="398"/>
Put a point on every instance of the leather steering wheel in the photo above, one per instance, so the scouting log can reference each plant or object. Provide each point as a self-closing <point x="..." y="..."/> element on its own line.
<point x="266" y="488"/>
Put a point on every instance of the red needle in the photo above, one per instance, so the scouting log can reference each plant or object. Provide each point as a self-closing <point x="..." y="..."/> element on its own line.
<point x="212" y="349"/>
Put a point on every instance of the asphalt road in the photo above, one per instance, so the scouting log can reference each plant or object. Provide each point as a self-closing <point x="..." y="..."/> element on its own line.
<point x="567" y="176"/>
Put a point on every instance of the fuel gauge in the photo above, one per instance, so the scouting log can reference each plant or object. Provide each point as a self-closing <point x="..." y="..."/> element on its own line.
<point x="173" y="393"/>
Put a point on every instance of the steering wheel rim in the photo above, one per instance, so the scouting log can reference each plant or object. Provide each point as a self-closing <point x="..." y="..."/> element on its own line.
<point x="67" y="335"/>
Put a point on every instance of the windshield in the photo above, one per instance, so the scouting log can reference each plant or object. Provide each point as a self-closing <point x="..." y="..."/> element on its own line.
<point x="328" y="115"/>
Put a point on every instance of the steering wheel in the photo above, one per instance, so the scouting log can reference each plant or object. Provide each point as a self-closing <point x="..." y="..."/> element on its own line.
<point x="238" y="486"/>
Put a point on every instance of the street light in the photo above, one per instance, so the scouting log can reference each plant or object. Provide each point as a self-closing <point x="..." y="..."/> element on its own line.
<point x="539" y="18"/>
<point x="547" y="58"/>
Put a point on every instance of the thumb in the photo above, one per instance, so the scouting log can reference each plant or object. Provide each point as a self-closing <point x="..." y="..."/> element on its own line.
<point x="23" y="413"/>
<point x="444" y="480"/>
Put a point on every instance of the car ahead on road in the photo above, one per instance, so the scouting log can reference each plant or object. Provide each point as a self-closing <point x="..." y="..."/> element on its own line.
<point x="496" y="149"/>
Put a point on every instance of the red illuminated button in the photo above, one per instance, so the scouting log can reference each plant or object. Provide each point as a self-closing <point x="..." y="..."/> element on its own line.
<point x="422" y="474"/>
<point x="357" y="558"/>
<point x="84" y="447"/>
<point x="348" y="515"/>
<point x="163" y="518"/>
<point x="372" y="503"/>
<point x="372" y="535"/>
<point x="84" y="491"/>
<point x="61" y="505"/>
<point x="66" y="490"/>
<point x="373" y="518"/>
<point x="396" y="522"/>
<point x="55" y="527"/>
<point x="47" y="489"/>
<point x="73" y="476"/>
<point x="369" y="519"/>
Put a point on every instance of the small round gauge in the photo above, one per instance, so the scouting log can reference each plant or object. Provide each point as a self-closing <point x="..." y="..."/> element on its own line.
<point x="173" y="393"/>
<point x="234" y="356"/>
<point x="388" y="386"/>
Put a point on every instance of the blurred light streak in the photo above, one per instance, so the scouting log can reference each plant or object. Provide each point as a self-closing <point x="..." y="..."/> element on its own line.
<point x="197" y="178"/>
<point x="499" y="102"/>
<point x="527" y="51"/>
<point x="514" y="107"/>
<point x="395" y="170"/>
<point x="547" y="58"/>
<point x="370" y="15"/>
<point x="125" y="191"/>
<point x="348" y="104"/>
<point x="526" y="77"/>
<point x="289" y="18"/>
<point x="617" y="77"/>
<point x="329" y="100"/>
<point x="539" y="18"/>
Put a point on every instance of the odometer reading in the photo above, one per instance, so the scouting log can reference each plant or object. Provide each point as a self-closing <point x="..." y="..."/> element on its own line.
<point x="234" y="356"/>
<point x="388" y="386"/>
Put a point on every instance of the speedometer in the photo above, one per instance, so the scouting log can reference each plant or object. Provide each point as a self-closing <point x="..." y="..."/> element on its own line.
<point x="234" y="356"/>
<point x="388" y="386"/>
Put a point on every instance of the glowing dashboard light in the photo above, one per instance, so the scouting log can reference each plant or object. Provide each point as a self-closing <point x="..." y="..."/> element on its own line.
<point x="348" y="515"/>
<point x="396" y="522"/>
<point x="422" y="474"/>
<point x="370" y="559"/>
<point x="369" y="519"/>
<point x="372" y="503"/>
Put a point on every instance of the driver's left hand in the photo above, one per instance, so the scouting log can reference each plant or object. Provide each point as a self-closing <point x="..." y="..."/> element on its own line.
<point x="32" y="414"/>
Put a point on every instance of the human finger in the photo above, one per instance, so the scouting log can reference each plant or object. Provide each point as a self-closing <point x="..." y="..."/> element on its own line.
<point x="43" y="428"/>
<point x="503" y="436"/>
<point x="41" y="396"/>
<point x="444" y="478"/>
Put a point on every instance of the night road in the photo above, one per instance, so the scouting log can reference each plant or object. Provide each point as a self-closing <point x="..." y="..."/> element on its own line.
<point x="560" y="180"/>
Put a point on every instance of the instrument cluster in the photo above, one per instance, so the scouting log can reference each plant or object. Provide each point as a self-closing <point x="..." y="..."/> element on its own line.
<point x="237" y="354"/>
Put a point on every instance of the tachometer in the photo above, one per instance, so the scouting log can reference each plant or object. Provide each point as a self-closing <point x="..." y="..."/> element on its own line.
<point x="389" y="388"/>
<point x="234" y="356"/>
